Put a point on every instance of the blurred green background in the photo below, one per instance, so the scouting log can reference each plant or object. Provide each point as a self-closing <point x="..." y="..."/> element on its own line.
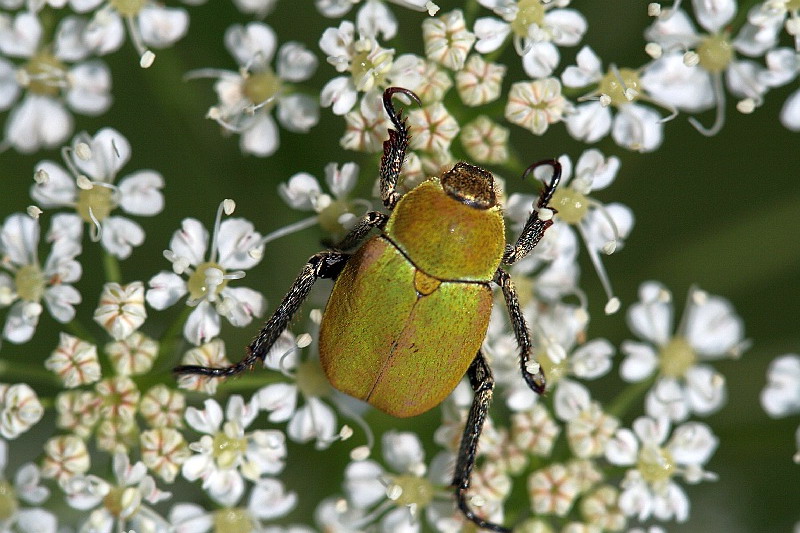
<point x="721" y="212"/>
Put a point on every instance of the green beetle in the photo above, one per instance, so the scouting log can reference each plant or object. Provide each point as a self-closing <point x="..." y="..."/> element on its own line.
<point x="410" y="307"/>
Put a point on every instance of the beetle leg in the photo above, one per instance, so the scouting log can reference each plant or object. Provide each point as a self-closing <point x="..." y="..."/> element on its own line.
<point x="326" y="264"/>
<point x="372" y="219"/>
<point x="480" y="377"/>
<point x="394" y="150"/>
<point x="536" y="379"/>
<point x="535" y="226"/>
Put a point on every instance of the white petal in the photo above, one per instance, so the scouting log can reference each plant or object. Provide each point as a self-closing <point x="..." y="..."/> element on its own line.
<point x="19" y="239"/>
<point x="340" y="93"/>
<point x="141" y="193"/>
<point x="692" y="443"/>
<point x="245" y="304"/>
<point x="623" y="448"/>
<point x="590" y="122"/>
<point x="491" y="34"/>
<point x="255" y="42"/>
<point x="640" y="361"/>
<point x="599" y="169"/>
<point x="315" y="420"/>
<point x="567" y="26"/>
<point x="781" y="396"/>
<point x="675" y="32"/>
<point x="60" y="300"/>
<point x="300" y="192"/>
<point x="90" y="89"/>
<point x="21" y="38"/>
<point x="790" y="112"/>
<point x="110" y="151"/>
<point x="261" y="136"/>
<point x="235" y="241"/>
<point x="9" y="88"/>
<point x="713" y="328"/>
<point x="570" y="399"/>
<point x="706" y="389"/>
<point x="298" y="112"/>
<point x="206" y="421"/>
<point x="58" y="190"/>
<point x="166" y="288"/>
<point x="651" y="431"/>
<point x="670" y="81"/>
<point x="162" y="26"/>
<point x="362" y="482"/>
<point x="191" y="241"/>
<point x="120" y="235"/>
<point x="202" y="325"/>
<point x="541" y="60"/>
<point x="651" y="317"/>
<point x="70" y="45"/>
<point x="402" y="451"/>
<point x="225" y="486"/>
<point x="295" y="62"/>
<point x="279" y="399"/>
<point x="20" y="325"/>
<point x="106" y="33"/>
<point x="667" y="400"/>
<point x="242" y="413"/>
<point x="587" y="70"/>
<point x="637" y="127"/>
<point x="374" y="19"/>
<point x="269" y="500"/>
<point x="38" y="122"/>
<point x="593" y="359"/>
<point x="713" y="15"/>
<point x="341" y="180"/>
<point x="36" y="520"/>
<point x="671" y="503"/>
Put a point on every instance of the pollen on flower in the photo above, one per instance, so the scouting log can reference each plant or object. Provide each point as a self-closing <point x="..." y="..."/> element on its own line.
<point x="653" y="9"/>
<point x="147" y="59"/>
<point x="746" y="106"/>
<point x="654" y="50"/>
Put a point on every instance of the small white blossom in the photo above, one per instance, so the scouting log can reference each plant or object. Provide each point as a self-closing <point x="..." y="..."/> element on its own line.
<point x="447" y="40"/>
<point x="64" y="457"/>
<point x="535" y="105"/>
<point x="20" y="409"/>
<point x="75" y="361"/>
<point x="121" y="309"/>
<point x="480" y="81"/>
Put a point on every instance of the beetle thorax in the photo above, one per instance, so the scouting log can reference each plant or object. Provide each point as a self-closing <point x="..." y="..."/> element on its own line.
<point x="451" y="227"/>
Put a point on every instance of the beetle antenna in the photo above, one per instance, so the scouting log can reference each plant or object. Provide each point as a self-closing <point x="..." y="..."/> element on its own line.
<point x="394" y="116"/>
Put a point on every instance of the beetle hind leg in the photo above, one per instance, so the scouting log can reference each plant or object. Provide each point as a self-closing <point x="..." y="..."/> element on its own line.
<point x="480" y="377"/>
<point x="321" y="265"/>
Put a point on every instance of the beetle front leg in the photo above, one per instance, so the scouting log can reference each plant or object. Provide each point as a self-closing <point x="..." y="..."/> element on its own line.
<point x="535" y="226"/>
<point x="321" y="265"/>
<point x="480" y="377"/>
<point x="394" y="150"/>
<point x="535" y="380"/>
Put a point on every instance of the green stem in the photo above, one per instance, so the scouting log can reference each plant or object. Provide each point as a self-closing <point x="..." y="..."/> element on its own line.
<point x="19" y="372"/>
<point x="77" y="329"/>
<point x="632" y="393"/>
<point x="111" y="268"/>
<point x="172" y="335"/>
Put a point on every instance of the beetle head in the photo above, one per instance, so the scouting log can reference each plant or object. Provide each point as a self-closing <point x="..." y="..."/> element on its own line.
<point x="471" y="185"/>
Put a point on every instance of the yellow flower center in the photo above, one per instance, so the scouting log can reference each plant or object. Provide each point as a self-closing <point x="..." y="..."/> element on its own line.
<point x="311" y="379"/>
<point x="227" y="450"/>
<point x="114" y="501"/>
<point x="29" y="281"/>
<point x="572" y="206"/>
<point x="616" y="83"/>
<point x="793" y="5"/>
<point x="262" y="87"/>
<point x="197" y="281"/>
<point x="553" y="371"/>
<point x="715" y="52"/>
<point x="655" y="464"/>
<point x="529" y="12"/>
<point x="8" y="501"/>
<point x="99" y="199"/>
<point x="128" y="8"/>
<point x="46" y="73"/>
<point x="233" y="521"/>
<point x="676" y="357"/>
<point x="414" y="490"/>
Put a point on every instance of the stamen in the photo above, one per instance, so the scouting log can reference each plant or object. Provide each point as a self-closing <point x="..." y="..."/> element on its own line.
<point x="605" y="100"/>
<point x="136" y="39"/>
<point x="359" y="420"/>
<point x="84" y="183"/>
<point x="316" y="316"/>
<point x="303" y="340"/>
<point x="147" y="59"/>
<point x="221" y="208"/>
<point x="95" y="230"/>
<point x="613" y="303"/>
<point x="653" y="9"/>
<point x="654" y="50"/>
<point x="41" y="177"/>
<point x="83" y="151"/>
<point x="286" y="230"/>
<point x="345" y="432"/>
<point x="360" y="453"/>
<point x="691" y="58"/>
<point x="719" y="121"/>
<point x="34" y="211"/>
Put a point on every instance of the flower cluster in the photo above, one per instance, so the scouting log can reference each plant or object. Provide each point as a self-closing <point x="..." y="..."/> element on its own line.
<point x="610" y="446"/>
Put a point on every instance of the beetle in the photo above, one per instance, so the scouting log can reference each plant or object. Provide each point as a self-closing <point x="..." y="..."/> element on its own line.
<point x="410" y="306"/>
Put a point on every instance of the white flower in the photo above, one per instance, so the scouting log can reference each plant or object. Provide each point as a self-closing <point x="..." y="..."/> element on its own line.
<point x="149" y="23"/>
<point x="635" y="126"/>
<point x="535" y="105"/>
<point x="537" y="27"/>
<point x="117" y="506"/>
<point x="648" y="488"/>
<point x="432" y="128"/>
<point x="20" y="409"/>
<point x="373" y="18"/>
<point x="480" y="82"/>
<point x="27" y="490"/>
<point x="65" y="456"/>
<point x="248" y="96"/>
<point x="712" y="53"/>
<point x="709" y="330"/>
<point x="602" y="227"/>
<point x="42" y="119"/>
<point x="225" y="454"/>
<point x="121" y="309"/>
<point x="25" y="283"/>
<point x="209" y="270"/>
<point x="89" y="187"/>
<point x="132" y="355"/>
<point x="447" y="40"/>
<point x="781" y="396"/>
<point x="74" y="361"/>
